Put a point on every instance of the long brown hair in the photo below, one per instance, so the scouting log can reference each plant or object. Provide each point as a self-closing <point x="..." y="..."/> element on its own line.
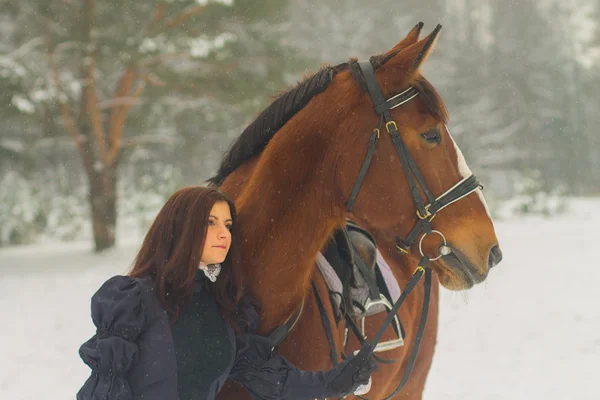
<point x="171" y="251"/>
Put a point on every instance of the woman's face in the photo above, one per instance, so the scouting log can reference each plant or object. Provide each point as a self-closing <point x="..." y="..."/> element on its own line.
<point x="218" y="234"/>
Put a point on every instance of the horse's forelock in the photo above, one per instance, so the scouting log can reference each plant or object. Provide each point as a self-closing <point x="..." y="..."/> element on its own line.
<point x="432" y="99"/>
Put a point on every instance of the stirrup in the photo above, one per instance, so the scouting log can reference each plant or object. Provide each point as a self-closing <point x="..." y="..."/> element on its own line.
<point x="389" y="344"/>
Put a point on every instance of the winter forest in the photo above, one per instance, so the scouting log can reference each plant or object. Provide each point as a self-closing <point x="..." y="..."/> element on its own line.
<point x="107" y="107"/>
<point x="110" y="106"/>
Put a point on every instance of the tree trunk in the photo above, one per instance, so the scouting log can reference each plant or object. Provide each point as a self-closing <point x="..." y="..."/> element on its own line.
<point x="102" y="183"/>
<point x="103" y="206"/>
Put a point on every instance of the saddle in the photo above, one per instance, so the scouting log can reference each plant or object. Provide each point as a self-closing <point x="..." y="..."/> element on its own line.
<point x="359" y="280"/>
<point x="360" y="283"/>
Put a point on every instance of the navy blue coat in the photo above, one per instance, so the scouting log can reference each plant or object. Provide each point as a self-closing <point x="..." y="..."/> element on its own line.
<point x="132" y="355"/>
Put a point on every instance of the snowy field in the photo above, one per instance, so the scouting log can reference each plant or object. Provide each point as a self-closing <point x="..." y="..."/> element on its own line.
<point x="531" y="331"/>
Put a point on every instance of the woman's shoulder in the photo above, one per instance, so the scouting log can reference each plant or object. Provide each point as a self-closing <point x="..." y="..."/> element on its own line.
<point x="124" y="305"/>
<point x="125" y="286"/>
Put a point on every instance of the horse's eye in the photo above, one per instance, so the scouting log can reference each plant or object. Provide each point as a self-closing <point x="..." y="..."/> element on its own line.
<point x="433" y="136"/>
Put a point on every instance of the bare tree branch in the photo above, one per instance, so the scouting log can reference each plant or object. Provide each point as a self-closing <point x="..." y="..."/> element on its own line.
<point x="50" y="25"/>
<point x="149" y="139"/>
<point x="165" y="57"/>
<point x="26" y="47"/>
<point x="65" y="108"/>
<point x="185" y="15"/>
<point x="117" y="101"/>
<point x="157" y="15"/>
<point x="118" y="118"/>
<point x="154" y="80"/>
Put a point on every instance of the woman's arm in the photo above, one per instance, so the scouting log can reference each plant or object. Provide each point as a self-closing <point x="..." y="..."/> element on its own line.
<point x="269" y="377"/>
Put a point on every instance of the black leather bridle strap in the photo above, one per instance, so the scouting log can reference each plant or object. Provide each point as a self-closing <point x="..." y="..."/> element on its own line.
<point x="411" y="162"/>
<point x="397" y="100"/>
<point x="406" y="166"/>
<point x="364" y="168"/>
<point x="367" y="347"/>
<point x="359" y="336"/>
<point x="382" y="107"/>
<point x="376" y="95"/>
<point x="418" y="338"/>
<point x="326" y="325"/>
<point x="282" y="331"/>
<point x="462" y="189"/>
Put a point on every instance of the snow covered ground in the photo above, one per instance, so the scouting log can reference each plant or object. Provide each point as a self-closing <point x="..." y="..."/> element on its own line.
<point x="531" y="331"/>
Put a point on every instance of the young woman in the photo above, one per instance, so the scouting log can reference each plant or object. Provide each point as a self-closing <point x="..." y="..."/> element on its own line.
<point x="177" y="327"/>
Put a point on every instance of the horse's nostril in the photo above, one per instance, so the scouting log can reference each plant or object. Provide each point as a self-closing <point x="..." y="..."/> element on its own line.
<point x="495" y="256"/>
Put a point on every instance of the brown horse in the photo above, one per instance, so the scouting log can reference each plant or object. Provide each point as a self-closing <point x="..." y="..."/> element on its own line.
<point x="307" y="149"/>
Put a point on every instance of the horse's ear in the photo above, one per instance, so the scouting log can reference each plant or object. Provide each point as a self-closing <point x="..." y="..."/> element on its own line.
<point x="411" y="38"/>
<point x="408" y="61"/>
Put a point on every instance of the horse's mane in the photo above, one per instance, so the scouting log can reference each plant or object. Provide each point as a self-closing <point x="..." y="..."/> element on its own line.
<point x="257" y="135"/>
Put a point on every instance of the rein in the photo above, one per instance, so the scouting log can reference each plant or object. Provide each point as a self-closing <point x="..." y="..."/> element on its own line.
<point x="281" y="332"/>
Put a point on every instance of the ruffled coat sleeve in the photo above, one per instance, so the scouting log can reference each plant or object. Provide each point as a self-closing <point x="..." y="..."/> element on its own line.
<point x="119" y="314"/>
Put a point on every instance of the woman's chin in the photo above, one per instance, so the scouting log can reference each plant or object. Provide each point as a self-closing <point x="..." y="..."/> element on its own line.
<point x="215" y="260"/>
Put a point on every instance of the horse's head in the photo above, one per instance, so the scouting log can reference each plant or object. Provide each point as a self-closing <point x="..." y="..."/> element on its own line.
<point x="384" y="200"/>
<point x="308" y="148"/>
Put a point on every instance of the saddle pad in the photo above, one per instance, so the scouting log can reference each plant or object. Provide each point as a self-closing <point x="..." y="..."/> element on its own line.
<point x="388" y="277"/>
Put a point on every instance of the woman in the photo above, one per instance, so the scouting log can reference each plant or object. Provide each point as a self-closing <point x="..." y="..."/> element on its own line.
<point x="178" y="326"/>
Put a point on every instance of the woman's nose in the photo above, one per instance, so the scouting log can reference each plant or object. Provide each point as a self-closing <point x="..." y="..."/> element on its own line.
<point x="224" y="233"/>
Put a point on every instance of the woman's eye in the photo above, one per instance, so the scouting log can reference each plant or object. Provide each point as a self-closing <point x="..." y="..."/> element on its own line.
<point x="211" y="222"/>
<point x="432" y="136"/>
<point x="228" y="227"/>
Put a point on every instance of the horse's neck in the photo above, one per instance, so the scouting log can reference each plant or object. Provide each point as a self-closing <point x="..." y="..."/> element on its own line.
<point x="285" y="221"/>
<point x="280" y="245"/>
<point x="402" y="266"/>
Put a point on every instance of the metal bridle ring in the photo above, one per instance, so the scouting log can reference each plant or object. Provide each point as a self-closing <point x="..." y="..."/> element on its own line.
<point x="421" y="244"/>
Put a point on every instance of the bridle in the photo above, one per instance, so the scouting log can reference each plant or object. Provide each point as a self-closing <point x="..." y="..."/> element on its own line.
<point x="425" y="212"/>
